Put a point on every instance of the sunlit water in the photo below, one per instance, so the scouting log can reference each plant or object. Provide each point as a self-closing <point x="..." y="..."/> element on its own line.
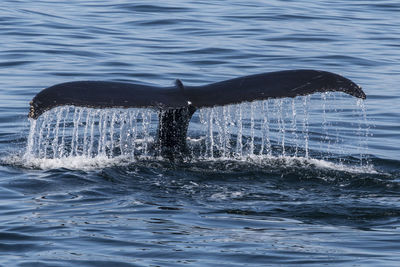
<point x="310" y="180"/>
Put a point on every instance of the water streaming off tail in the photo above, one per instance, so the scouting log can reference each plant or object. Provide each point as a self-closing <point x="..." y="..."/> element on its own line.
<point x="309" y="127"/>
<point x="67" y="132"/>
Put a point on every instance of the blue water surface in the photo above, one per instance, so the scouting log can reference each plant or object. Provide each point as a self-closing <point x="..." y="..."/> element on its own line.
<point x="207" y="212"/>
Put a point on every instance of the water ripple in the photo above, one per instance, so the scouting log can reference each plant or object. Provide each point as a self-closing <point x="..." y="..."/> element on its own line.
<point x="325" y="209"/>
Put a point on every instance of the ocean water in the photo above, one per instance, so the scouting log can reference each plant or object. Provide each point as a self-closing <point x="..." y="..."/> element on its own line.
<point x="307" y="181"/>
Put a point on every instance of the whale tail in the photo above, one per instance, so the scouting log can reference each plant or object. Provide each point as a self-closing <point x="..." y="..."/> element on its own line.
<point x="178" y="103"/>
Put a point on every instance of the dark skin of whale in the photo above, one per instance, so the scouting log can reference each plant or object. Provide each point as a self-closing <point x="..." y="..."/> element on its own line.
<point x="178" y="103"/>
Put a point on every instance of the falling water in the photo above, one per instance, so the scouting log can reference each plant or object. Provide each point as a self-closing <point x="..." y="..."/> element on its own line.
<point x="309" y="127"/>
<point x="270" y="128"/>
<point x="86" y="132"/>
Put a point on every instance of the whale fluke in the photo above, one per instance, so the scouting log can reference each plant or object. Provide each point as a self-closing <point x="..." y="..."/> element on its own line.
<point x="100" y="94"/>
<point x="262" y="86"/>
<point x="178" y="103"/>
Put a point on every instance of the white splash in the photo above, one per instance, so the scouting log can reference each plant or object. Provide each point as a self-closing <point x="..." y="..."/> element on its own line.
<point x="303" y="130"/>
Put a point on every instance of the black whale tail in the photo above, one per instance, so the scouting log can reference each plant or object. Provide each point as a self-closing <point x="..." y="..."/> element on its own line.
<point x="178" y="103"/>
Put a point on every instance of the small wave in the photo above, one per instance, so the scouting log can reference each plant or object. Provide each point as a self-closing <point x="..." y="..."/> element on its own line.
<point x="72" y="163"/>
<point x="216" y="164"/>
<point x="303" y="162"/>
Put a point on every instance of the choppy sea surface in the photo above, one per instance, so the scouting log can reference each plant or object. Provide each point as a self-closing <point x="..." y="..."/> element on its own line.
<point x="307" y="181"/>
